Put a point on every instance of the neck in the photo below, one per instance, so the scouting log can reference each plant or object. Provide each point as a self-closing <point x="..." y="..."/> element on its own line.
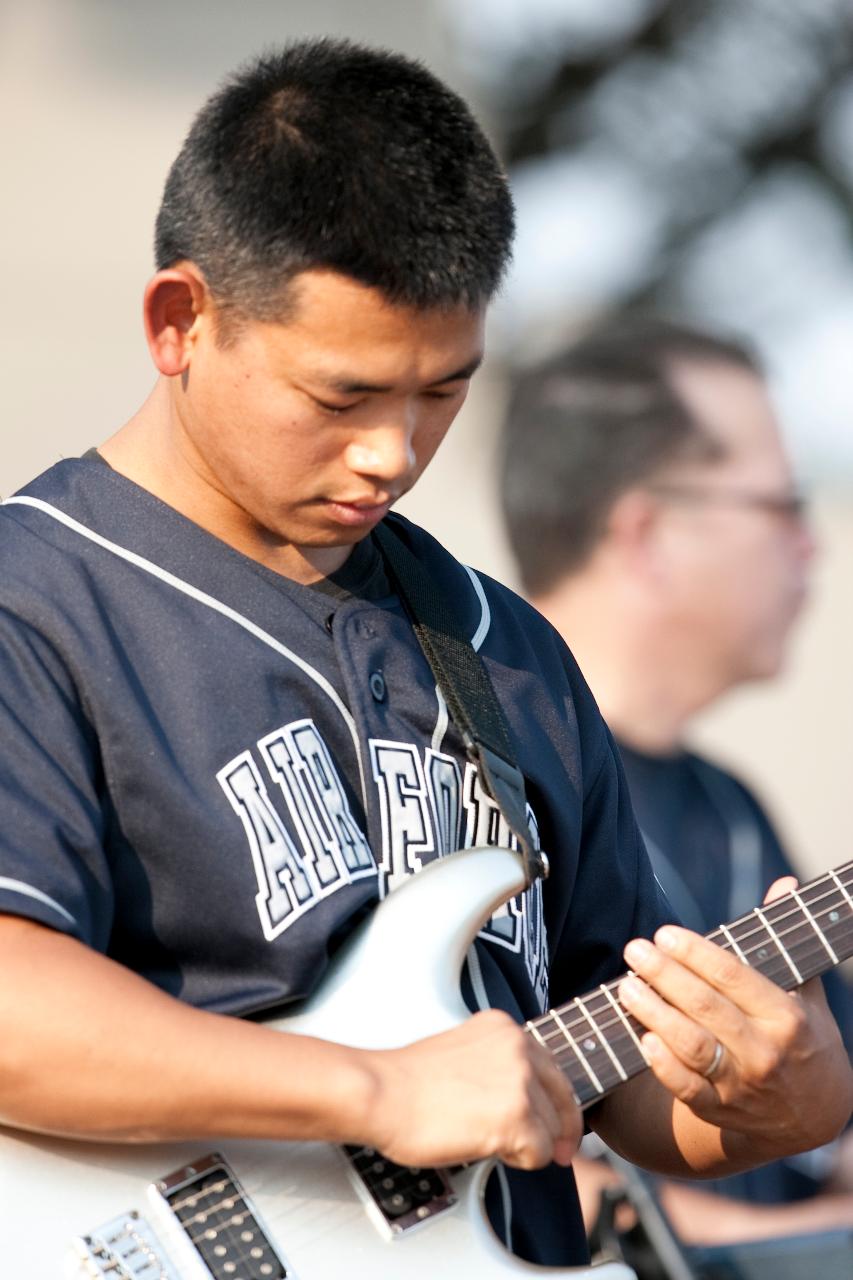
<point x="153" y="452"/>
<point x="640" y="676"/>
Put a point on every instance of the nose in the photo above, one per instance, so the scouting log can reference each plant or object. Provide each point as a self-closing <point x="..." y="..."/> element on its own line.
<point x="383" y="451"/>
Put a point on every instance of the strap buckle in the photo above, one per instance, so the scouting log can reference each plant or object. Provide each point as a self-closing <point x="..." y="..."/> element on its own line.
<point x="504" y="783"/>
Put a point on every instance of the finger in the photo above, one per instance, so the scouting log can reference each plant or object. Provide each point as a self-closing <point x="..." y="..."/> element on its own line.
<point x="685" y="1039"/>
<point x="691" y="1087"/>
<point x="533" y="1138"/>
<point x="558" y="1091"/>
<point x="779" y="888"/>
<point x="687" y="970"/>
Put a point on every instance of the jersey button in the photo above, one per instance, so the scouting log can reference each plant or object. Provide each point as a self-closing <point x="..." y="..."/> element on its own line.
<point x="377" y="685"/>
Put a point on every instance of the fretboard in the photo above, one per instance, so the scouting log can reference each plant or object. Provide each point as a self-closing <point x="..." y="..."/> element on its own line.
<point x="597" y="1042"/>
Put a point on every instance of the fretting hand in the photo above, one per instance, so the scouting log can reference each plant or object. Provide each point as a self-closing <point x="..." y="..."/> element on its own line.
<point x="739" y="1051"/>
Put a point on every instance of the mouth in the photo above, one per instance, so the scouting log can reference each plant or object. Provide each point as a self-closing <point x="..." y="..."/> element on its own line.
<point x="359" y="512"/>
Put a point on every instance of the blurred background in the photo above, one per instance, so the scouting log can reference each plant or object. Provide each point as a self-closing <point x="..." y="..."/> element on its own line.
<point x="694" y="156"/>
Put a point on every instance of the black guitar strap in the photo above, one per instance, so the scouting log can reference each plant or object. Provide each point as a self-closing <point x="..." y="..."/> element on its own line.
<point x="465" y="684"/>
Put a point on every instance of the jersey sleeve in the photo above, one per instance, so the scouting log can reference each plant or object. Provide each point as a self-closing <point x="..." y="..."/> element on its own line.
<point x="53" y="867"/>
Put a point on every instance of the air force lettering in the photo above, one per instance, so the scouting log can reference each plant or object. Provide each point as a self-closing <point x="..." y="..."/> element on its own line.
<point x="330" y="849"/>
<point x="309" y="844"/>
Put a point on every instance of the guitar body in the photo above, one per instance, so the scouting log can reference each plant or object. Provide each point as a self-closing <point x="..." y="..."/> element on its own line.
<point x="248" y="1210"/>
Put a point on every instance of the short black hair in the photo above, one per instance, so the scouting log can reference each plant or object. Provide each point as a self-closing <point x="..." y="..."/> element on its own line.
<point x="589" y="423"/>
<point x="328" y="154"/>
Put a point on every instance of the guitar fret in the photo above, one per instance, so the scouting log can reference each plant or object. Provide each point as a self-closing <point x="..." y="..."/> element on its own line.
<point x="625" y="1020"/>
<point x="578" y="1085"/>
<point x="814" y="924"/>
<point x="730" y="938"/>
<point x="789" y="941"/>
<point x="843" y="889"/>
<point x="620" y="1070"/>
<point x="773" y="934"/>
<point x="534" y="1031"/>
<point x="802" y="942"/>
<point x="581" y="1057"/>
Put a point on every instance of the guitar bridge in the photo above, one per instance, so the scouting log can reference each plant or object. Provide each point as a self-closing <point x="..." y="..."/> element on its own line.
<point x="124" y="1249"/>
<point x="403" y="1197"/>
<point x="219" y="1221"/>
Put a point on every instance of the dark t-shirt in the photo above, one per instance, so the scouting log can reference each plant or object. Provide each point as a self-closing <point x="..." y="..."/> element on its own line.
<point x="209" y="772"/>
<point x="715" y="852"/>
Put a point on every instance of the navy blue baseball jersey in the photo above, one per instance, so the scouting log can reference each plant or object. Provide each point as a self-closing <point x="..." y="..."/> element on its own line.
<point x="208" y="771"/>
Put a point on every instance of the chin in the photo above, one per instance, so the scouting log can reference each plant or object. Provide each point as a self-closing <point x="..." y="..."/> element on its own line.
<point x="766" y="666"/>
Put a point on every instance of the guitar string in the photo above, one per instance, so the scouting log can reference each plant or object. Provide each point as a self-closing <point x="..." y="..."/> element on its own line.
<point x="803" y="922"/>
<point x="229" y="1227"/>
<point x="567" y="1040"/>
<point x="548" y="1030"/>
<point x="581" y="1001"/>
<point x="573" y="1047"/>
<point x="238" y="1219"/>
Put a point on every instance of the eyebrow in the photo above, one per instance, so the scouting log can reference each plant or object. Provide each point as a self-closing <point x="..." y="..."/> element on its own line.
<point x="348" y="386"/>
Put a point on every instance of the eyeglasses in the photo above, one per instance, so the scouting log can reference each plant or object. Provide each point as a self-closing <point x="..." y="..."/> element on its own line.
<point x="793" y="506"/>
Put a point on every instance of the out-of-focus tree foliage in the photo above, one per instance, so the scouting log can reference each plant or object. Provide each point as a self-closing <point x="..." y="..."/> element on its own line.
<point x="703" y="101"/>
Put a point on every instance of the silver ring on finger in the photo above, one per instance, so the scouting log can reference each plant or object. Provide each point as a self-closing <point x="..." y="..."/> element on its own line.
<point x="715" y="1062"/>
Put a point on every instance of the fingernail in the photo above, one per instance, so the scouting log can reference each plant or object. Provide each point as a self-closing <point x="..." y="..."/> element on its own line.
<point x="666" y="939"/>
<point x="631" y="987"/>
<point x="637" y="950"/>
<point x="651" y="1046"/>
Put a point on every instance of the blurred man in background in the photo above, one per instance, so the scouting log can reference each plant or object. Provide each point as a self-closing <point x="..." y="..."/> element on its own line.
<point x="656" y="523"/>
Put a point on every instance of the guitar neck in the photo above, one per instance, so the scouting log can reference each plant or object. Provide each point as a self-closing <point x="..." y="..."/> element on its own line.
<point x="597" y="1042"/>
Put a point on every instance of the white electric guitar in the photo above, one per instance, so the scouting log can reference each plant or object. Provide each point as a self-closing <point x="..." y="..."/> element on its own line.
<point x="255" y="1210"/>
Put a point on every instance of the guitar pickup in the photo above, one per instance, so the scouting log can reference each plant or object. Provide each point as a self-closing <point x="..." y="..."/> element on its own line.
<point x="219" y="1221"/>
<point x="125" y="1248"/>
<point x="404" y="1197"/>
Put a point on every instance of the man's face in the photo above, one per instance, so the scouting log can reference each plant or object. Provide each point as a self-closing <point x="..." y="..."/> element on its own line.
<point x="739" y="566"/>
<point x="296" y="439"/>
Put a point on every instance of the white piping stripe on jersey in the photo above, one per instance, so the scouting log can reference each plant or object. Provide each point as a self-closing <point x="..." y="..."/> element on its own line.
<point x="476" y="641"/>
<point x="27" y="890"/>
<point x="486" y="618"/>
<point x="210" y="601"/>
<point x="442" y="721"/>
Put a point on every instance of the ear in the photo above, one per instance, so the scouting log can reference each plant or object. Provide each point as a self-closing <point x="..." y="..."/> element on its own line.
<point x="175" y="302"/>
<point x="632" y="525"/>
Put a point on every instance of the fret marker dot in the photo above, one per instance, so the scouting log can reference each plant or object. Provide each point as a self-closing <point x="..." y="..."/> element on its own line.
<point x="762" y="953"/>
<point x="834" y="917"/>
<point x="589" y="1045"/>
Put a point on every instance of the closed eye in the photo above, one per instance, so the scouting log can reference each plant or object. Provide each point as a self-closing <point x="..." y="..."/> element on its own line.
<point x="447" y="393"/>
<point x="335" y="408"/>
